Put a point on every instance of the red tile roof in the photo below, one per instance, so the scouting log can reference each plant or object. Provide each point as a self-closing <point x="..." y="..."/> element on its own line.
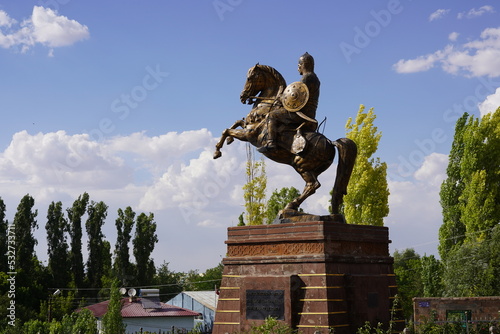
<point x="134" y="310"/>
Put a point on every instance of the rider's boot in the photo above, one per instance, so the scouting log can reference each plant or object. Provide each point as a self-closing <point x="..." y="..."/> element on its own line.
<point x="271" y="134"/>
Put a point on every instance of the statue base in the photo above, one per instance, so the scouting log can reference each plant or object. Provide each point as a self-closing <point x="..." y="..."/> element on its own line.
<point x="313" y="275"/>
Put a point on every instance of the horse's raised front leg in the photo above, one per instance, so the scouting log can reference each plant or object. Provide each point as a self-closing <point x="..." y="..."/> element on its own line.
<point x="226" y="134"/>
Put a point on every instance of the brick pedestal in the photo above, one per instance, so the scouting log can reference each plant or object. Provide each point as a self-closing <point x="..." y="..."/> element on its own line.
<point x="312" y="275"/>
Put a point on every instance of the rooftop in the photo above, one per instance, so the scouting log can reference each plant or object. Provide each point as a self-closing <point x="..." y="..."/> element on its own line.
<point x="206" y="298"/>
<point x="134" y="309"/>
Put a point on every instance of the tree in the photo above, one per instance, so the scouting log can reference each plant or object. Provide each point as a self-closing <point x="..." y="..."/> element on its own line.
<point x="57" y="247"/>
<point x="85" y="323"/>
<point x="3" y="238"/>
<point x="144" y="244"/>
<point x="31" y="278"/>
<point x="75" y="214"/>
<point x="122" y="266"/>
<point x="407" y="267"/>
<point x="278" y="201"/>
<point x="366" y="202"/>
<point x="25" y="223"/>
<point x="469" y="196"/>
<point x="206" y="281"/>
<point x="431" y="276"/>
<point x="255" y="189"/>
<point x="169" y="281"/>
<point x="99" y="254"/>
<point x="112" y="321"/>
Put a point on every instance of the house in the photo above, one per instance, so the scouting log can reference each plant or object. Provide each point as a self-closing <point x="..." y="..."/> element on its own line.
<point x="141" y="313"/>
<point x="203" y="302"/>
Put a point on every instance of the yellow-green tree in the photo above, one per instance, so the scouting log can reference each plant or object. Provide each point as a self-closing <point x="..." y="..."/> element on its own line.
<point x="255" y="190"/>
<point x="366" y="202"/>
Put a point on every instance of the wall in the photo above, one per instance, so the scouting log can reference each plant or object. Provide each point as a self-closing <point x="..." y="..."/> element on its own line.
<point x="482" y="308"/>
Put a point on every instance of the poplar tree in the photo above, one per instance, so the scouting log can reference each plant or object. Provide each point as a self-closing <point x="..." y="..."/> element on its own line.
<point x="3" y="238"/>
<point x="122" y="266"/>
<point x="112" y="322"/>
<point x="366" y="202"/>
<point x="75" y="214"/>
<point x="25" y="224"/>
<point x="470" y="198"/>
<point x="255" y="189"/>
<point x="98" y="247"/>
<point x="57" y="246"/>
<point x="144" y="243"/>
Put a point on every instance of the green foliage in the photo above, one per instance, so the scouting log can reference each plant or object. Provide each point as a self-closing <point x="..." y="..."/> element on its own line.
<point x="169" y="281"/>
<point x="3" y="238"/>
<point x="57" y="246"/>
<point x="255" y="190"/>
<point x="25" y="224"/>
<point x="470" y="199"/>
<point x="469" y="196"/>
<point x="431" y="276"/>
<point x="278" y="201"/>
<point x="122" y="267"/>
<point x="75" y="214"/>
<point x="112" y="321"/>
<point x="271" y="325"/>
<point x="407" y="267"/>
<point x="144" y="244"/>
<point x="85" y="323"/>
<point x="366" y="202"/>
<point x="35" y="327"/>
<point x="99" y="254"/>
<point x="195" y="281"/>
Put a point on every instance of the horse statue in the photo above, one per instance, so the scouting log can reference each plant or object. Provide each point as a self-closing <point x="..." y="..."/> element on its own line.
<point x="263" y="85"/>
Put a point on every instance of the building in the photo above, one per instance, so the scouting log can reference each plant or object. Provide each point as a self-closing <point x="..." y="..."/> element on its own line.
<point x="160" y="317"/>
<point x="470" y="309"/>
<point x="203" y="302"/>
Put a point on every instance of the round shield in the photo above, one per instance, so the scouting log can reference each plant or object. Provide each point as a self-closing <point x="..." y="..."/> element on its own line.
<point x="295" y="96"/>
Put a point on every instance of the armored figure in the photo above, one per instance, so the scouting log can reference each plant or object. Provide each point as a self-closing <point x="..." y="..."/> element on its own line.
<point x="295" y="106"/>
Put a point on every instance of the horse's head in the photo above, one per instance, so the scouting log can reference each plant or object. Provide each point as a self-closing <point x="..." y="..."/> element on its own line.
<point x="261" y="79"/>
<point x="253" y="85"/>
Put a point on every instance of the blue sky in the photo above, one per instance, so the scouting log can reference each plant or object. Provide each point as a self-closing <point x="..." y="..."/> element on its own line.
<point x="125" y="100"/>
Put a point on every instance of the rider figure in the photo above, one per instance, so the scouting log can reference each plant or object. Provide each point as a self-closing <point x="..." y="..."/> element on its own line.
<point x="290" y="119"/>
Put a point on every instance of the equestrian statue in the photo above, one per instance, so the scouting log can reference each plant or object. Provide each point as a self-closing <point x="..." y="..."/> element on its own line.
<point x="283" y="127"/>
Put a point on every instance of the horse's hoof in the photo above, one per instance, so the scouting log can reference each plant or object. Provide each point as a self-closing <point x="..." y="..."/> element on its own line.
<point x="229" y="140"/>
<point x="217" y="154"/>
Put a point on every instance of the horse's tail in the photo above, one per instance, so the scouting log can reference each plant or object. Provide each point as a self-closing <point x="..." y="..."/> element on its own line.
<point x="347" y="156"/>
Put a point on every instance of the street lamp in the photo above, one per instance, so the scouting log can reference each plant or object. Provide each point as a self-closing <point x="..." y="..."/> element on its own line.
<point x="55" y="294"/>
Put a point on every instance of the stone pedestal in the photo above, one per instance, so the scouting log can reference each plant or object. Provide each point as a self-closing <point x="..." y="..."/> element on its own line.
<point x="312" y="275"/>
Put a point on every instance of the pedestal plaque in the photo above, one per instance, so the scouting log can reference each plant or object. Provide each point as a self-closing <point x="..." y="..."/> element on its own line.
<point x="325" y="275"/>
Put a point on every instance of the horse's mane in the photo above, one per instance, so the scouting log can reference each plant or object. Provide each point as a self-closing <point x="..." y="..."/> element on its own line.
<point x="277" y="75"/>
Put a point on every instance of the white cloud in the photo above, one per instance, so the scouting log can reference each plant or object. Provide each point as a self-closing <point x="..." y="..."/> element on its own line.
<point x="440" y="13"/>
<point x="422" y="63"/>
<point x="58" y="159"/>
<point x="44" y="27"/>
<point x="5" y="20"/>
<point x="194" y="198"/>
<point x="453" y="36"/>
<point x="415" y="213"/>
<point x="491" y="104"/>
<point x="473" y="13"/>
<point x="480" y="57"/>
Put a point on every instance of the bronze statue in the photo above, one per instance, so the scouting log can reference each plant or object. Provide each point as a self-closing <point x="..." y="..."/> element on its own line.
<point x="296" y="105"/>
<point x="282" y="123"/>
